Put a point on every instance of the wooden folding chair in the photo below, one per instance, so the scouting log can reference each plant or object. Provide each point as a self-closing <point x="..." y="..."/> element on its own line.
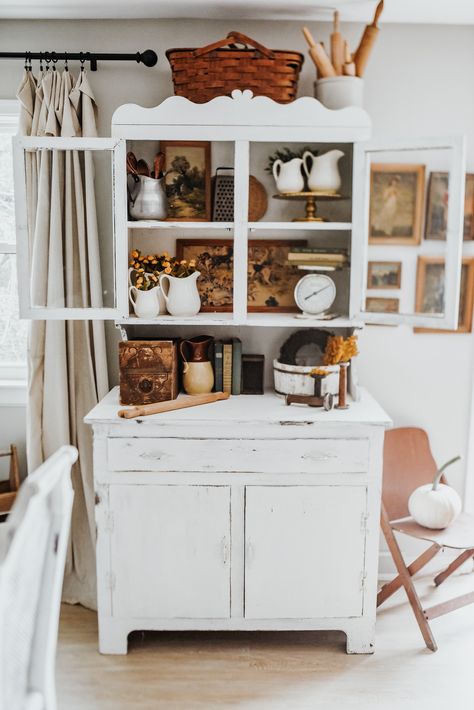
<point x="9" y="488"/>
<point x="408" y="463"/>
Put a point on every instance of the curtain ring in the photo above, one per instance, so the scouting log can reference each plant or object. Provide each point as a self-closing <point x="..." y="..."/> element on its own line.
<point x="82" y="60"/>
<point x="54" y="59"/>
<point x="41" y="61"/>
<point x="66" y="67"/>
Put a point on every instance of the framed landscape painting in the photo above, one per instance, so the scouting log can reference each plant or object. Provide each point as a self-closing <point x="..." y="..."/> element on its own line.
<point x="271" y="280"/>
<point x="384" y="274"/>
<point x="381" y="305"/>
<point x="188" y="180"/>
<point x="429" y="297"/>
<point x="396" y="203"/>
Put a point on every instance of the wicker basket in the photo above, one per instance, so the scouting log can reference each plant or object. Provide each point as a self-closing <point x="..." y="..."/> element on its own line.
<point x="202" y="74"/>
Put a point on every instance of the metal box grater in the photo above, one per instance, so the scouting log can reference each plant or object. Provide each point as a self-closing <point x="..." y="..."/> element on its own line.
<point x="223" y="203"/>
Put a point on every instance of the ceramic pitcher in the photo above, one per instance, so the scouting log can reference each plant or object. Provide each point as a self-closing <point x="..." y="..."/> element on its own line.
<point x="147" y="199"/>
<point x="145" y="303"/>
<point x="159" y="292"/>
<point x="198" y="374"/>
<point x="322" y="171"/>
<point x="181" y="294"/>
<point x="288" y="176"/>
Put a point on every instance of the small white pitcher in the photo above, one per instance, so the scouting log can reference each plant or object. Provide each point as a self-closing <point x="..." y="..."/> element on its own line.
<point x="157" y="288"/>
<point x="288" y="176"/>
<point x="181" y="294"/>
<point x="145" y="303"/>
<point x="322" y="171"/>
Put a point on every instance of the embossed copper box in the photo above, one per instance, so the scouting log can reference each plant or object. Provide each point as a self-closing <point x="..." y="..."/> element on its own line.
<point x="148" y="371"/>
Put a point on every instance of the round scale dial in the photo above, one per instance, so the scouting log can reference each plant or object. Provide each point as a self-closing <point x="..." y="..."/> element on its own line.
<point x="315" y="294"/>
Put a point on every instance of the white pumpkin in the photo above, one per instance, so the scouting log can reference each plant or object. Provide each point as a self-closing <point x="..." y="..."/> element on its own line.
<point x="435" y="505"/>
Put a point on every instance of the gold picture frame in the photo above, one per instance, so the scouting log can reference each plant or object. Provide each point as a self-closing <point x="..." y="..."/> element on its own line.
<point x="396" y="203"/>
<point x="271" y="280"/>
<point x="437" y="204"/>
<point x="376" y="304"/>
<point x="384" y="275"/>
<point x="435" y="265"/>
<point x="188" y="180"/>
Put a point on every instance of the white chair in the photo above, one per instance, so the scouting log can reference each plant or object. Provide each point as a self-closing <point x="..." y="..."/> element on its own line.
<point x="33" y="543"/>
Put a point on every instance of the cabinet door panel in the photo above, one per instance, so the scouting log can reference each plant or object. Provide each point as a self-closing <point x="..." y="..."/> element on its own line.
<point x="305" y="549"/>
<point x="170" y="551"/>
<point x="408" y="208"/>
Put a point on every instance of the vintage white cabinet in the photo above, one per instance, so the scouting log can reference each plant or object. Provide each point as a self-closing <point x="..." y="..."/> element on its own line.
<point x="243" y="514"/>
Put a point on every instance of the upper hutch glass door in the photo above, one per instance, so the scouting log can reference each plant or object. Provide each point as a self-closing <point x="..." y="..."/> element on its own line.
<point x="408" y="232"/>
<point x="68" y="236"/>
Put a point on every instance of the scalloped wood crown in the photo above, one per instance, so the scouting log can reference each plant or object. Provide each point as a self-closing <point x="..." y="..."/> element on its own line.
<point x="244" y="110"/>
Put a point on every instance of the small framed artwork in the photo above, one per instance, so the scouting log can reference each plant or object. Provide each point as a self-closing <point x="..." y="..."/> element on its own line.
<point x="437" y="206"/>
<point x="429" y="296"/>
<point x="271" y="280"/>
<point x="384" y="274"/>
<point x="382" y="305"/>
<point x="188" y="180"/>
<point x="469" y="208"/>
<point x="396" y="204"/>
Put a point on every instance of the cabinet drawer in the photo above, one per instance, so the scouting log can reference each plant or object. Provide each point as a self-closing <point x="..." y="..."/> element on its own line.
<point x="234" y="455"/>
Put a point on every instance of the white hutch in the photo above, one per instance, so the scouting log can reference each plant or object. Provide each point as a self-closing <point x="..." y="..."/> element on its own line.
<point x="246" y="514"/>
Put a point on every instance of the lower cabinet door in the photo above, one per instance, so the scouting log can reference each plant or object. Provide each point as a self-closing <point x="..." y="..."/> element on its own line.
<point x="170" y="551"/>
<point x="305" y="549"/>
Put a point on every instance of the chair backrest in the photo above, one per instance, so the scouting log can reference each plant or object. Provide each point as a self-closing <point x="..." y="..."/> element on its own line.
<point x="407" y="464"/>
<point x="33" y="545"/>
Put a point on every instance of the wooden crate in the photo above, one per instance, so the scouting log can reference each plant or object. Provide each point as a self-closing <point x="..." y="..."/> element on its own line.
<point x="148" y="371"/>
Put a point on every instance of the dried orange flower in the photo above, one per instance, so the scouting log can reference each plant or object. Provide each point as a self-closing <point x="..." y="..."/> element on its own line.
<point x="339" y="349"/>
<point x="318" y="371"/>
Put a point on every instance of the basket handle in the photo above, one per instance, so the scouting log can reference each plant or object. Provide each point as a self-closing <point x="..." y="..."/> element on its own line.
<point x="235" y="37"/>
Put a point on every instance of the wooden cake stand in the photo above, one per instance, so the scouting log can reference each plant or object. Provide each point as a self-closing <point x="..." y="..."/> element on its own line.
<point x="310" y="198"/>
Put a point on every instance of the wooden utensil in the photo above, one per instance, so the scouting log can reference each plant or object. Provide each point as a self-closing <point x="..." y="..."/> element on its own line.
<point x="142" y="168"/>
<point x="349" y="68"/>
<point x="182" y="402"/>
<point x="318" y="55"/>
<point x="132" y="163"/>
<point x="337" y="46"/>
<point x="367" y="42"/>
<point x="158" y="165"/>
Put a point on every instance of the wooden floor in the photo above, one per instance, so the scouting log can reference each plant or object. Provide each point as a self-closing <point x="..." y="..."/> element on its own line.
<point x="201" y="671"/>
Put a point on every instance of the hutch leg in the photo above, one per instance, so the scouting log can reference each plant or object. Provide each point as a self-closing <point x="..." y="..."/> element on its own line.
<point x="360" y="638"/>
<point x="113" y="636"/>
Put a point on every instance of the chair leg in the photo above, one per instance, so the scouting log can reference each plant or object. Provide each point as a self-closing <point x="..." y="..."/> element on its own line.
<point x="407" y="582"/>
<point x="439" y="579"/>
<point x="391" y="587"/>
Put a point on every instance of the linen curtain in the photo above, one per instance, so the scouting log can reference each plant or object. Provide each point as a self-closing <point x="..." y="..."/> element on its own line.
<point x="67" y="366"/>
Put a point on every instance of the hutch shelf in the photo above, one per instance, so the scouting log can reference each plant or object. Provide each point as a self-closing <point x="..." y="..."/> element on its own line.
<point x="244" y="514"/>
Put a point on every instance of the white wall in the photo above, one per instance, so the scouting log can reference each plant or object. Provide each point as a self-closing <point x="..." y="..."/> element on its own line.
<point x="414" y="86"/>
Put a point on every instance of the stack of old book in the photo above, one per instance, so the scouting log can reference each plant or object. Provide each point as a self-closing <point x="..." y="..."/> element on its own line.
<point x="228" y="366"/>
<point x="318" y="259"/>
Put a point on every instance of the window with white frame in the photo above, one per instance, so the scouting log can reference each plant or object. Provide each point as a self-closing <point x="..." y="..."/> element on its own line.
<point x="12" y="330"/>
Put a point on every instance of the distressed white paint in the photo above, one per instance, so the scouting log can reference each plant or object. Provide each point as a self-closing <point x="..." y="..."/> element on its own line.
<point x="184" y="518"/>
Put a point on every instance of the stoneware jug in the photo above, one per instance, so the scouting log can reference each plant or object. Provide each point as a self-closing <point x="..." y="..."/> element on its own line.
<point x="322" y="171"/>
<point x="157" y="288"/>
<point x="147" y="199"/>
<point x="288" y="176"/>
<point x="198" y="375"/>
<point x="181" y="295"/>
<point x="145" y="303"/>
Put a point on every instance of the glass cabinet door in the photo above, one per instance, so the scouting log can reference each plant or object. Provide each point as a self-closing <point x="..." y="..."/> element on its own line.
<point x="408" y="232"/>
<point x="68" y="235"/>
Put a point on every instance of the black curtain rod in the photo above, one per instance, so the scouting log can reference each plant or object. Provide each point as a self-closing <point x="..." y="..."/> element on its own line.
<point x="149" y="58"/>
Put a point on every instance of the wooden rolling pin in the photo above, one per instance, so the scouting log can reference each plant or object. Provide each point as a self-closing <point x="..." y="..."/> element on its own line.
<point x="337" y="46"/>
<point x="367" y="42"/>
<point x="181" y="403"/>
<point x="319" y="56"/>
<point x="349" y="66"/>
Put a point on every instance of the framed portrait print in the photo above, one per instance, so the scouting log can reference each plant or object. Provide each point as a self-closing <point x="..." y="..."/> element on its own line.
<point x="429" y="296"/>
<point x="382" y="305"/>
<point x="188" y="180"/>
<point x="437" y="206"/>
<point x="384" y="274"/>
<point x="271" y="280"/>
<point x="396" y="203"/>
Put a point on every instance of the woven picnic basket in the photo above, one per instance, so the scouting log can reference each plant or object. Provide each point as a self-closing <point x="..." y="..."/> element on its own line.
<point x="217" y="69"/>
